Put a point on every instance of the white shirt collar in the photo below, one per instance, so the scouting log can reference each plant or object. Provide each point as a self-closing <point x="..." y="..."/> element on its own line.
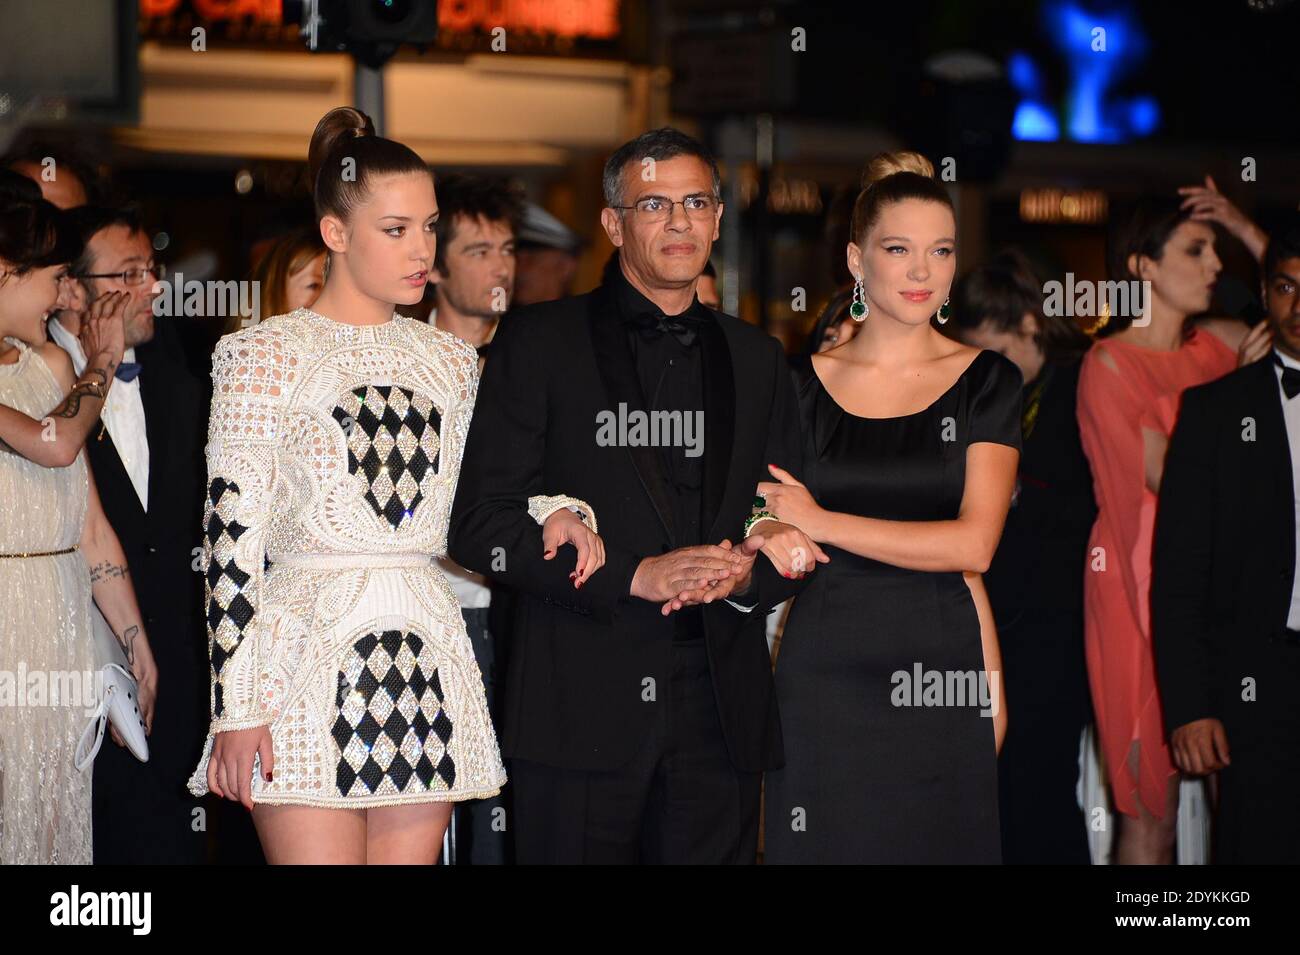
<point x="71" y="344"/>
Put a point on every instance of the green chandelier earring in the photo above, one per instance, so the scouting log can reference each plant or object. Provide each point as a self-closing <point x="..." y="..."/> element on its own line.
<point x="944" y="311"/>
<point x="859" y="309"/>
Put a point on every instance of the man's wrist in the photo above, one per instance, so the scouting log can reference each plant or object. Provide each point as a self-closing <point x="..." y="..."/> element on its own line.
<point x="745" y="600"/>
<point x="633" y="587"/>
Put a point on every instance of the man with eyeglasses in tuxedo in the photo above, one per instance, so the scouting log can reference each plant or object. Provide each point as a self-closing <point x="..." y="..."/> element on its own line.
<point x="639" y="711"/>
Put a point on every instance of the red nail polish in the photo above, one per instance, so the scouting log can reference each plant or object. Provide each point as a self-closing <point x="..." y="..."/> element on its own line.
<point x="270" y="777"/>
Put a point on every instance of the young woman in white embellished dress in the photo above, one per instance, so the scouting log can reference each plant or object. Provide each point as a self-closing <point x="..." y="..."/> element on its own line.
<point x="348" y="711"/>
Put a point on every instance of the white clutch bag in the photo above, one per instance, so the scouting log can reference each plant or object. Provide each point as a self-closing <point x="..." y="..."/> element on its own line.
<point x="119" y="703"/>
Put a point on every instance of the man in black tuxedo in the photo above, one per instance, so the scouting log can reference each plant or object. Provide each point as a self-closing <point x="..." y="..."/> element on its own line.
<point x="639" y="710"/>
<point x="1225" y="596"/>
<point x="147" y="457"/>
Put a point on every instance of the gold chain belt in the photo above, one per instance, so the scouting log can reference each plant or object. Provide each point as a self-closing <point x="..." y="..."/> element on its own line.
<point x="42" y="553"/>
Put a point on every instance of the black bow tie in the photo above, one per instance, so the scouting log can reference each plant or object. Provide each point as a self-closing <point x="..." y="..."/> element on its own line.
<point x="651" y="325"/>
<point x="1290" y="377"/>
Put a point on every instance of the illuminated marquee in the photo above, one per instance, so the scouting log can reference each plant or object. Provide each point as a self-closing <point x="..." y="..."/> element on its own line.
<point x="556" y="19"/>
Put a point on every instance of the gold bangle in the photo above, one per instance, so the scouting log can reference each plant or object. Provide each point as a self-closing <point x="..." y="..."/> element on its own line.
<point x="93" y="388"/>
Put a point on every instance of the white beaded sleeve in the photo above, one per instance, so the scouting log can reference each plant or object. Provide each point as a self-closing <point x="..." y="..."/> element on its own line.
<point x="248" y="371"/>
<point x="542" y="506"/>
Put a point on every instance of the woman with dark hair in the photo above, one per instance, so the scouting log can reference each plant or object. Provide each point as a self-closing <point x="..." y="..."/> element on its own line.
<point x="834" y="325"/>
<point x="1129" y="389"/>
<point x="1035" y="581"/>
<point x="49" y="511"/>
<point x="348" y="710"/>
<point x="910" y="449"/>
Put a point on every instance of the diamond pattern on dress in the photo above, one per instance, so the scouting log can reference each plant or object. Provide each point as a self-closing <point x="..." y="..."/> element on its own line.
<point x="391" y="730"/>
<point x="229" y="611"/>
<point x="393" y="441"/>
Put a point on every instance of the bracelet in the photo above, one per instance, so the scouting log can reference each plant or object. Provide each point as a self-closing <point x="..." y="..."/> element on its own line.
<point x="92" y="388"/>
<point x="755" y="518"/>
<point x="543" y="506"/>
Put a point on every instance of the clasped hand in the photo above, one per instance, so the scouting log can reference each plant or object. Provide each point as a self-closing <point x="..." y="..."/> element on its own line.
<point x="790" y="541"/>
<point x="696" y="575"/>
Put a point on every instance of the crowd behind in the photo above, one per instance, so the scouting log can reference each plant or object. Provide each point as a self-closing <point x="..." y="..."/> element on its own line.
<point x="1145" y="580"/>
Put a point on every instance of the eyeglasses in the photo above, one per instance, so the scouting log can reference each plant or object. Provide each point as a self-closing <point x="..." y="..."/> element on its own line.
<point x="659" y="208"/>
<point x="137" y="276"/>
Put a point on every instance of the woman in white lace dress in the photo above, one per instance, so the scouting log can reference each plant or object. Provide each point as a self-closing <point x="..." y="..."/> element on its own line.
<point x="348" y="711"/>
<point x="57" y="550"/>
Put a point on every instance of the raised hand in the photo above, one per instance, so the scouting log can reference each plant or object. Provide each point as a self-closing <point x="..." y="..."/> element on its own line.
<point x="1207" y="204"/>
<point x="1255" y="345"/>
<point x="103" y="333"/>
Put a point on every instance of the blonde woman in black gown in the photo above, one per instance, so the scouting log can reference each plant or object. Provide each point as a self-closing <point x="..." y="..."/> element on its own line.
<point x="887" y="676"/>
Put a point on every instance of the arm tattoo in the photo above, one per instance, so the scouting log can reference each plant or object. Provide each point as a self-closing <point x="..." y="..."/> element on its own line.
<point x="103" y="374"/>
<point x="107" y="570"/>
<point x="127" y="640"/>
<point x="71" y="405"/>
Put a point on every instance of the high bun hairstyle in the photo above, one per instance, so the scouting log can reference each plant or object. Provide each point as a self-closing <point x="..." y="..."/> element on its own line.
<point x="890" y="178"/>
<point x="347" y="133"/>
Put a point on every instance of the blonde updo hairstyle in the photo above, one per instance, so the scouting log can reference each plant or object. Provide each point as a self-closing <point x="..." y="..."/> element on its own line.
<point x="889" y="178"/>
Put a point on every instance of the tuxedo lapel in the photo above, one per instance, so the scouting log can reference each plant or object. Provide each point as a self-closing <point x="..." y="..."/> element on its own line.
<point x="111" y="480"/>
<point x="623" y="386"/>
<point x="1266" y="397"/>
<point x="720" y="405"/>
<point x="159" y="419"/>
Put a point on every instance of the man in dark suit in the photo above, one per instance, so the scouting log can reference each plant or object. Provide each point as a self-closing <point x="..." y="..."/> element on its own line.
<point x="639" y="709"/>
<point x="147" y="459"/>
<point x="1225" y="596"/>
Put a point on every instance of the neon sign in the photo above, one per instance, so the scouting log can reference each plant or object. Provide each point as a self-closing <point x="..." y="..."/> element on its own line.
<point x="1098" y="50"/>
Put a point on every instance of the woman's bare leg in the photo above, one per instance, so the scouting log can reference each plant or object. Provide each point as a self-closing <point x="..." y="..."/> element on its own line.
<point x="308" y="835"/>
<point x="406" y="835"/>
<point x="1146" y="840"/>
